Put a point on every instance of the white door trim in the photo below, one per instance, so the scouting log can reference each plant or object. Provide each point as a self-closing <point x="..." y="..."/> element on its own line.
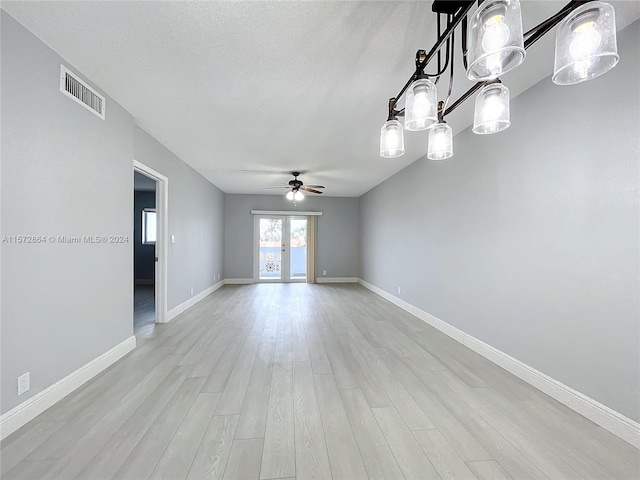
<point x="162" y="212"/>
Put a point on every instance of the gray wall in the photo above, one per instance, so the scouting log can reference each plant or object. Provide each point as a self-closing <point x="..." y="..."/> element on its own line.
<point x="337" y="248"/>
<point x="528" y="239"/>
<point x="196" y="218"/>
<point x="65" y="171"/>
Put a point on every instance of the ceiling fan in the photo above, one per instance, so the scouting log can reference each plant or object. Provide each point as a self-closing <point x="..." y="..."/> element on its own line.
<point x="295" y="188"/>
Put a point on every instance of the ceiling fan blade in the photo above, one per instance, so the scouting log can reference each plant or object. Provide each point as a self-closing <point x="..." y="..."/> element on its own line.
<point x="277" y="186"/>
<point x="310" y="190"/>
<point x="315" y="186"/>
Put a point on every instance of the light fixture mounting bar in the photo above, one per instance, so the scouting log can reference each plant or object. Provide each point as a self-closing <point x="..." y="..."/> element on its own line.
<point x="534" y="35"/>
<point x="457" y="18"/>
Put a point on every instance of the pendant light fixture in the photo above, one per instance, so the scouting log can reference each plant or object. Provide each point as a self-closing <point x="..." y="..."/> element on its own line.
<point x="420" y="110"/>
<point x="492" y="109"/>
<point x="421" y="107"/>
<point x="493" y="43"/>
<point x="496" y="43"/>
<point x="391" y="139"/>
<point x="440" y="142"/>
<point x="585" y="44"/>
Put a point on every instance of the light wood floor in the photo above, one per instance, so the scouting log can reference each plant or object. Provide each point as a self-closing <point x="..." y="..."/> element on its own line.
<point x="309" y="381"/>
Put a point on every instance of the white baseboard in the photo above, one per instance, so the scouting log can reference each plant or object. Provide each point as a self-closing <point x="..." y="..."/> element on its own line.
<point x="621" y="426"/>
<point x="238" y="281"/>
<point x="34" y="406"/>
<point x="336" y="280"/>
<point x="178" y="309"/>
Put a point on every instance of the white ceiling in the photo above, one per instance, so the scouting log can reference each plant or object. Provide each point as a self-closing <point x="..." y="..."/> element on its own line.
<point x="246" y="92"/>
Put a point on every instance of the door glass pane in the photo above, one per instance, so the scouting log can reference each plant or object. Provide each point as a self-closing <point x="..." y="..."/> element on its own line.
<point x="270" y="248"/>
<point x="298" y="248"/>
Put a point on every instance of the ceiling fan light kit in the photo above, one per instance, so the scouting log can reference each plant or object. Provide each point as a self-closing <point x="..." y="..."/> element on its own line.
<point x="295" y="188"/>
<point x="585" y="48"/>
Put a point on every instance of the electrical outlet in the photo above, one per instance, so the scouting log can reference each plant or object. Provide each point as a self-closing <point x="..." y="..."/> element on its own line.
<point x="191" y="290"/>
<point x="398" y="290"/>
<point x="24" y="383"/>
<point x="173" y="239"/>
<point x="324" y="272"/>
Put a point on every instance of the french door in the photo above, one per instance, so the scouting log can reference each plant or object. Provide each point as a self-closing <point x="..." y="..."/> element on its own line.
<point x="280" y="248"/>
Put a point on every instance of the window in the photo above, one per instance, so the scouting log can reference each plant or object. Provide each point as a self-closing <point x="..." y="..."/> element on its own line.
<point x="149" y="229"/>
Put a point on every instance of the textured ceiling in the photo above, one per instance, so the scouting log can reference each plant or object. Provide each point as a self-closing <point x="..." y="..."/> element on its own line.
<point x="246" y="92"/>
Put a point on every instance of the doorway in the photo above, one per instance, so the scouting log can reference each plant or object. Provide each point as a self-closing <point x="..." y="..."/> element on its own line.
<point x="150" y="245"/>
<point x="145" y="234"/>
<point x="280" y="248"/>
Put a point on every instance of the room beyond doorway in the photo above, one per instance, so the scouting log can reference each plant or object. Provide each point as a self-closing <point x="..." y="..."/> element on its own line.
<point x="150" y="235"/>
<point x="280" y="248"/>
<point x="145" y="234"/>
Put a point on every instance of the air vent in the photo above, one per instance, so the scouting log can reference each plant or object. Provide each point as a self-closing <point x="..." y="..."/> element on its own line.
<point x="76" y="89"/>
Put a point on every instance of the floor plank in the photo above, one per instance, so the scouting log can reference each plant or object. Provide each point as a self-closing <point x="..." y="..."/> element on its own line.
<point x="488" y="470"/>
<point x="30" y="438"/>
<point x="211" y="459"/>
<point x="410" y="457"/>
<point x="278" y="457"/>
<point x="244" y="460"/>
<point x="236" y="387"/>
<point x="450" y="426"/>
<point x="253" y="417"/>
<point x="145" y="456"/>
<point x="177" y="458"/>
<point x="446" y="461"/>
<point x="29" y="470"/>
<point x="375" y="451"/>
<point x="93" y="441"/>
<point x="312" y="460"/>
<point x="344" y="455"/>
<point x="114" y="453"/>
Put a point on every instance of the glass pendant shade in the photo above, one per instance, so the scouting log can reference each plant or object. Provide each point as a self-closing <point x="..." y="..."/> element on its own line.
<point x="440" y="142"/>
<point x="298" y="196"/>
<point x="391" y="139"/>
<point x="585" y="44"/>
<point x="289" y="195"/>
<point x="496" y="44"/>
<point x="420" y="110"/>
<point x="492" y="110"/>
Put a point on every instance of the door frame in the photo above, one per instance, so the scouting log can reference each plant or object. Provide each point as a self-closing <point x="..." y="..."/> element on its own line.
<point x="162" y="241"/>
<point x="285" y="263"/>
